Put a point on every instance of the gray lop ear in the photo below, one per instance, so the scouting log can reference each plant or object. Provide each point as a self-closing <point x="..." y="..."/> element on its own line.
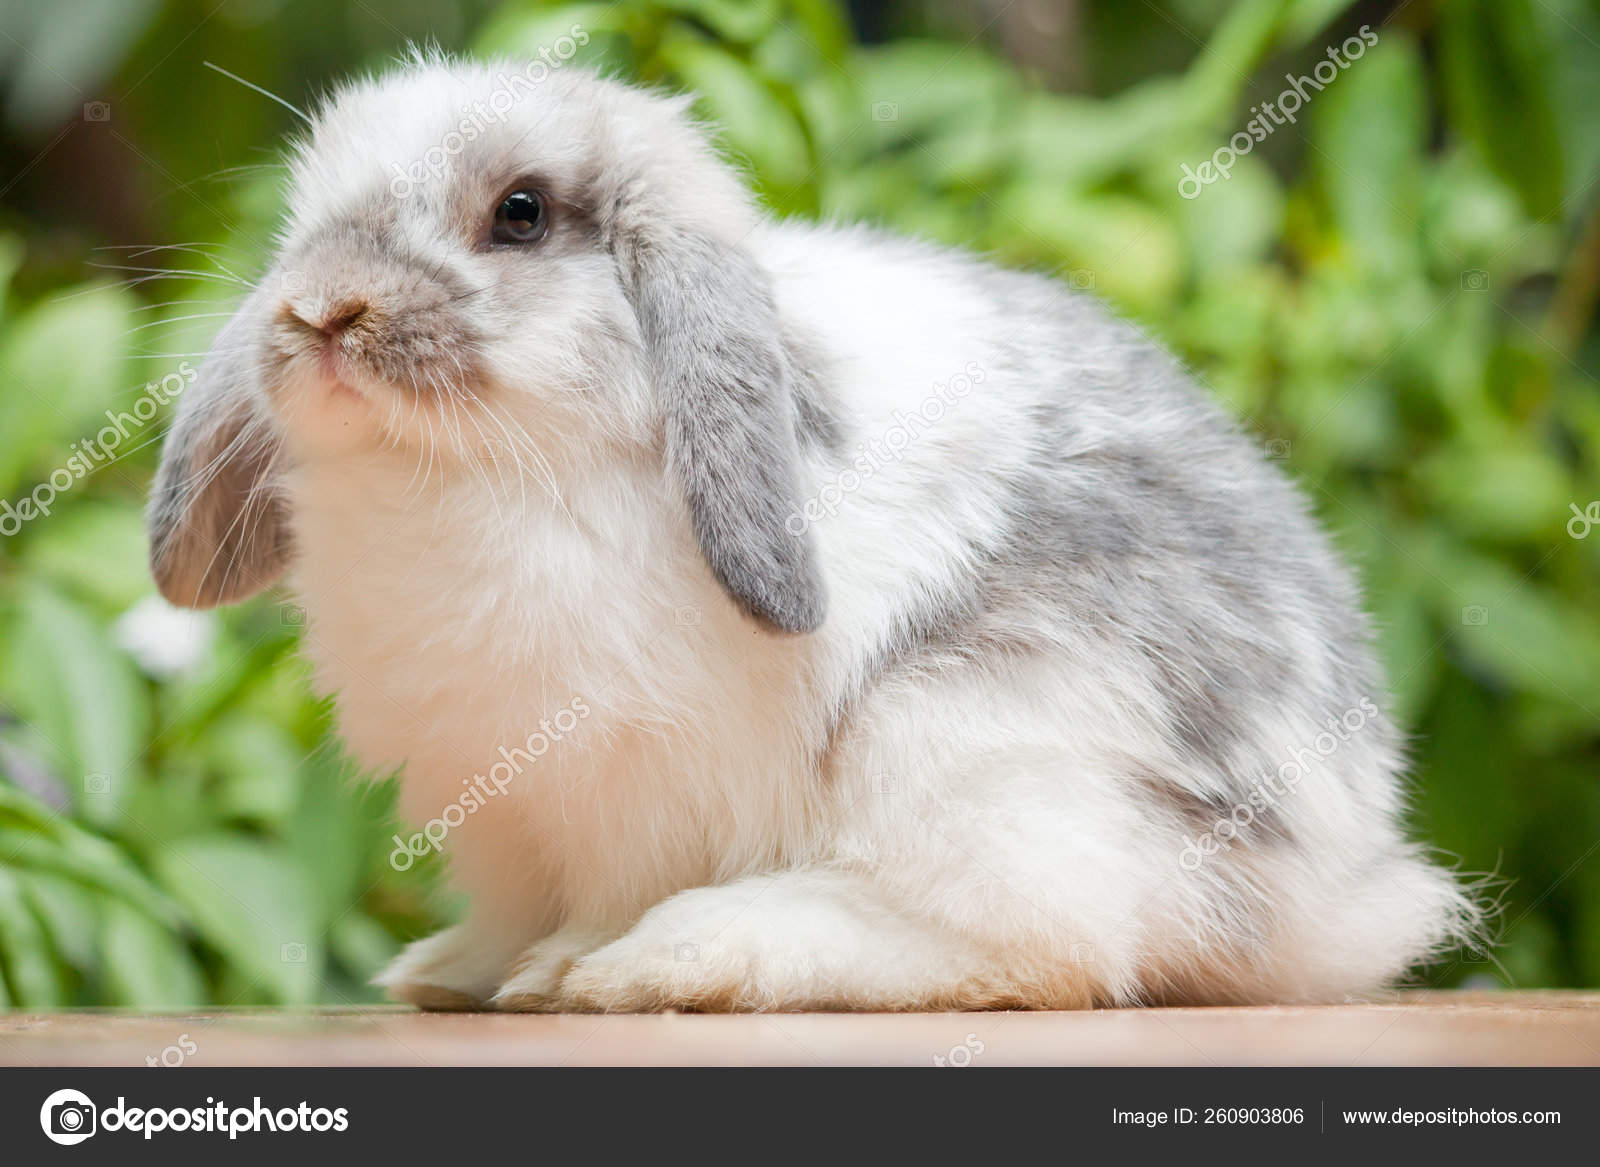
<point x="708" y="318"/>
<point x="218" y="530"/>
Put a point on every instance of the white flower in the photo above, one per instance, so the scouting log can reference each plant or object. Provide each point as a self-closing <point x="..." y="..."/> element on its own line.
<point x="165" y="641"/>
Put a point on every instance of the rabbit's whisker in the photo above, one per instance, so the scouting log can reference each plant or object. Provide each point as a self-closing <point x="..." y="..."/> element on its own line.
<point x="177" y="319"/>
<point x="168" y="271"/>
<point x="175" y="303"/>
<point x="296" y="110"/>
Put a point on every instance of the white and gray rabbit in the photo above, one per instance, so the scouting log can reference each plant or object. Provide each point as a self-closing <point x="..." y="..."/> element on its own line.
<point x="776" y="616"/>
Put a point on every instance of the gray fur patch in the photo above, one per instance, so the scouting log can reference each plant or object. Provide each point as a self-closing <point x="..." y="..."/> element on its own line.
<point x="1162" y="538"/>
<point x="821" y="430"/>
<point x="710" y="325"/>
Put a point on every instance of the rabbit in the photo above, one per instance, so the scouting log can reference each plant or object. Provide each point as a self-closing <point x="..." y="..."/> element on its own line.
<point x="765" y="615"/>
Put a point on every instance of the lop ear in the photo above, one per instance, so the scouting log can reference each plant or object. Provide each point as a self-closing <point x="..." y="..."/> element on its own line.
<point x="708" y="318"/>
<point x="218" y="530"/>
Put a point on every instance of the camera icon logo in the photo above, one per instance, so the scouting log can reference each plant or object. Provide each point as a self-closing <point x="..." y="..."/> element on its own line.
<point x="885" y="111"/>
<point x="1475" y="280"/>
<point x="687" y="616"/>
<point x="1277" y="450"/>
<point x="685" y="953"/>
<point x="68" y="1117"/>
<point x="293" y="952"/>
<point x="1478" y="952"/>
<point x="97" y="111"/>
<point x="293" y="617"/>
<point x="1081" y="279"/>
<point x="97" y="783"/>
<point x="1474" y="614"/>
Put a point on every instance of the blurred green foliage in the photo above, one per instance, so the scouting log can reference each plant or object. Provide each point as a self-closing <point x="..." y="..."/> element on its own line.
<point x="1397" y="291"/>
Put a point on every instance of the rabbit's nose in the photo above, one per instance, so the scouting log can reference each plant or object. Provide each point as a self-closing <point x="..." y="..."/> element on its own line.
<point x="338" y="317"/>
<point x="332" y="319"/>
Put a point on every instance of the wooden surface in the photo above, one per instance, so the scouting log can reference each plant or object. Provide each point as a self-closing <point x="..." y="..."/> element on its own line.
<point x="1409" y="1029"/>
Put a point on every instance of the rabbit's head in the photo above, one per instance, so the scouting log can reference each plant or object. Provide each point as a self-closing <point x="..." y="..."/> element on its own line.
<point x="498" y="262"/>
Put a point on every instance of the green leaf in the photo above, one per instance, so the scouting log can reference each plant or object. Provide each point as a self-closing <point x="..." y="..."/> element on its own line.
<point x="1472" y="219"/>
<point x="334" y="807"/>
<point x="1233" y="224"/>
<point x="68" y="912"/>
<point x="61" y="363"/>
<point x="1232" y="315"/>
<point x="825" y="25"/>
<point x="1468" y="804"/>
<point x="254" y="647"/>
<point x="97" y="550"/>
<point x="1368" y="128"/>
<point x="84" y="696"/>
<point x="1516" y="631"/>
<point x="519" y="32"/>
<point x="362" y="945"/>
<point x="829" y="106"/>
<point x="1571" y="28"/>
<point x="145" y="964"/>
<point x="754" y="122"/>
<point x="1510" y="490"/>
<point x="1218" y="77"/>
<point x="1082" y="142"/>
<point x="260" y="767"/>
<point x="86" y="859"/>
<point x="35" y="981"/>
<point x="1307" y="18"/>
<point x="739" y="21"/>
<point x="1495" y="65"/>
<point x="251" y="903"/>
<point x="1116" y="246"/>
<point x="920" y="88"/>
<point x="11" y="252"/>
<point x="1408" y="642"/>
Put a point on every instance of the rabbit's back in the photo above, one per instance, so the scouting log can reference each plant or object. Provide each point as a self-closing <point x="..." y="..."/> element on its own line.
<point x="1063" y="489"/>
<point x="1080" y="617"/>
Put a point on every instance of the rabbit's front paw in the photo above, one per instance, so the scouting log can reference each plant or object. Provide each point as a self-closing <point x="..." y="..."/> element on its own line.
<point x="807" y="939"/>
<point x="702" y="949"/>
<point x="535" y="980"/>
<point x="451" y="971"/>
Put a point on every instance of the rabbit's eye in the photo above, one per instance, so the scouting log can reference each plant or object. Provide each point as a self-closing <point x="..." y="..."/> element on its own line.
<point x="520" y="218"/>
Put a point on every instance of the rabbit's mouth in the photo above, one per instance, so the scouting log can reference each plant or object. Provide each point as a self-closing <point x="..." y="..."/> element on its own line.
<point x="326" y="355"/>
<point x="333" y="368"/>
<point x="346" y="389"/>
<point x="360" y="367"/>
<point x="343" y="390"/>
<point x="354" y="346"/>
<point x="325" y="336"/>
